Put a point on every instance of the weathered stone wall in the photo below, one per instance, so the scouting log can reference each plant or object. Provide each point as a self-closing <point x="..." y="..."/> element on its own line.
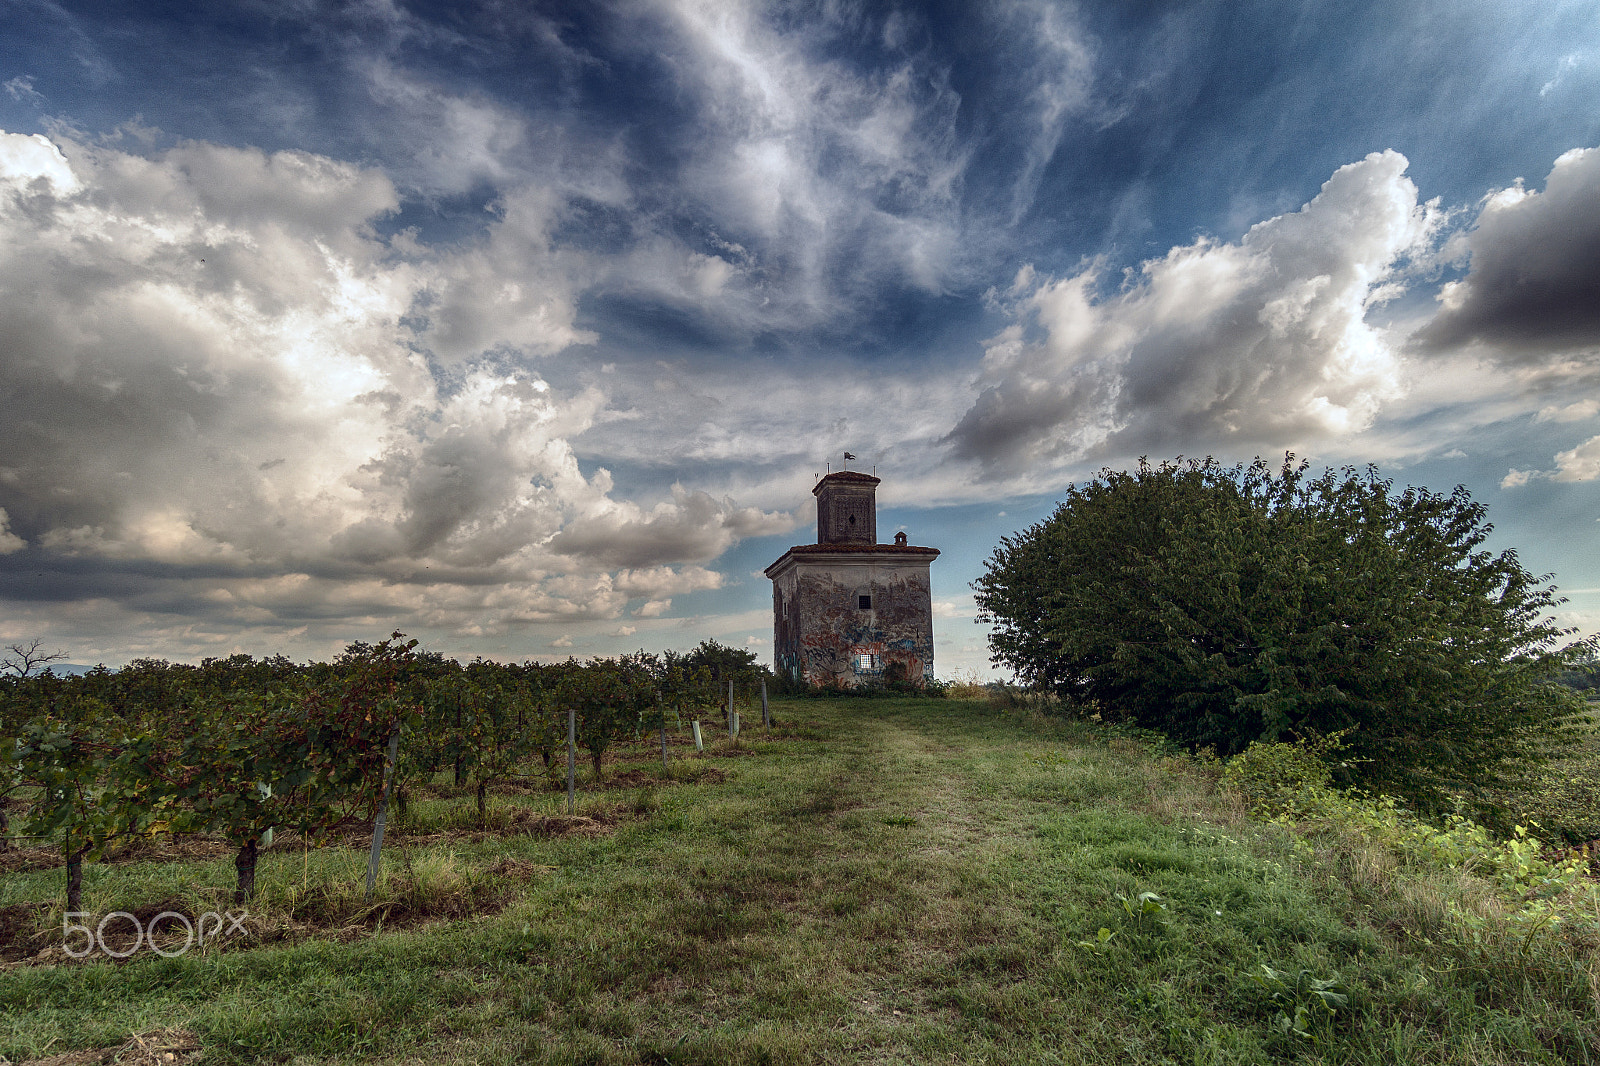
<point x="786" y="626"/>
<point x="821" y="628"/>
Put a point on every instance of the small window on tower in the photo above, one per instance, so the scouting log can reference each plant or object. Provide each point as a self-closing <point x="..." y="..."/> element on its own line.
<point x="864" y="603"/>
<point x="865" y="663"/>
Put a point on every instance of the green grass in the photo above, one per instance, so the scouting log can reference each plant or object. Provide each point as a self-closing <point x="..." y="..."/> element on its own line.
<point x="880" y="881"/>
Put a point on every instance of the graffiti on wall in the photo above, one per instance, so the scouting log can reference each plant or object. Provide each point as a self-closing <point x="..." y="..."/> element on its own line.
<point x="841" y="624"/>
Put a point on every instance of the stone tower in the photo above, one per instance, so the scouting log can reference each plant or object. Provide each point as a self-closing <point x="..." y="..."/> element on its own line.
<point x="848" y="610"/>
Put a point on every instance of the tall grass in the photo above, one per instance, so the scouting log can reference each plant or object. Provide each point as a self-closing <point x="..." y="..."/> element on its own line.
<point x="875" y="881"/>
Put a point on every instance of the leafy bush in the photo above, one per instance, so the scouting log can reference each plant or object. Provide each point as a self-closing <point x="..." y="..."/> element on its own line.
<point x="1281" y="777"/>
<point x="1228" y="605"/>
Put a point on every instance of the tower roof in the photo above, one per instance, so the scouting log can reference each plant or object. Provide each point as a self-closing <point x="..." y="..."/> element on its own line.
<point x="853" y="477"/>
<point x="889" y="553"/>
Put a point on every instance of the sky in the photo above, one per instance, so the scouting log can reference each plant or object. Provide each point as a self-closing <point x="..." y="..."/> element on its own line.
<point x="526" y="328"/>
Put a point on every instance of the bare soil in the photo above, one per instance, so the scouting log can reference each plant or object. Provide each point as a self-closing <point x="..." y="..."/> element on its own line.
<point x="158" y="1047"/>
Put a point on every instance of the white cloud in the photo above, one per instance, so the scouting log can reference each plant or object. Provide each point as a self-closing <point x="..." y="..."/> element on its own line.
<point x="659" y="581"/>
<point x="653" y="609"/>
<point x="30" y="164"/>
<point x="1258" y="344"/>
<point x="456" y="142"/>
<point x="1059" y="80"/>
<point x="215" y="364"/>
<point x="562" y="641"/>
<point x="1581" y="463"/>
<point x="1572" y="412"/>
<point x="1567" y="63"/>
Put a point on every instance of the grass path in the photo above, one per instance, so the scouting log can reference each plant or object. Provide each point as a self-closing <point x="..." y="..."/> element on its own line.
<point x="882" y="881"/>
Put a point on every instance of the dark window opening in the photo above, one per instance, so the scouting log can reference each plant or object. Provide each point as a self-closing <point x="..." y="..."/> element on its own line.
<point x="864" y="602"/>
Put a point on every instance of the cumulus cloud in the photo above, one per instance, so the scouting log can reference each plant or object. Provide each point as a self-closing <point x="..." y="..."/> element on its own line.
<point x="1532" y="288"/>
<point x="228" y="395"/>
<point x="1581" y="463"/>
<point x="1253" y="344"/>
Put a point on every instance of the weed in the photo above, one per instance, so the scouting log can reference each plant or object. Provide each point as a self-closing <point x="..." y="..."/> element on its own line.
<point x="1306" y="1003"/>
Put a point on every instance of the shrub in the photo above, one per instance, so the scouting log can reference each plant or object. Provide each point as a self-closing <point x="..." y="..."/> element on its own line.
<point x="1227" y="605"/>
<point x="1280" y="777"/>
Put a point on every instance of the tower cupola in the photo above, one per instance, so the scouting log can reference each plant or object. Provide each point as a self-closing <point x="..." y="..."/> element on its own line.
<point x="847" y="508"/>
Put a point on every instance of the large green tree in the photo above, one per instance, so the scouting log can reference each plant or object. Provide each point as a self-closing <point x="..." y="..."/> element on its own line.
<point x="1223" y="605"/>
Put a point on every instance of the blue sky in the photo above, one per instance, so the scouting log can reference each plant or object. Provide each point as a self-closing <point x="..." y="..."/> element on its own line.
<point x="524" y="328"/>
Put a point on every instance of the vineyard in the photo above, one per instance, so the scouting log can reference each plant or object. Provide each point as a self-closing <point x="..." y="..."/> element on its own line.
<point x="241" y="748"/>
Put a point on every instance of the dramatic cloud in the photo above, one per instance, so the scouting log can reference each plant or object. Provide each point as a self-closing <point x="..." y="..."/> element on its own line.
<point x="228" y="395"/>
<point x="1256" y="344"/>
<point x="512" y="322"/>
<point x="1532" y="290"/>
<point x="818" y="182"/>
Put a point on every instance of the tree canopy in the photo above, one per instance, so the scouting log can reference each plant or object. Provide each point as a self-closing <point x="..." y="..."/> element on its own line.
<point x="1223" y="605"/>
